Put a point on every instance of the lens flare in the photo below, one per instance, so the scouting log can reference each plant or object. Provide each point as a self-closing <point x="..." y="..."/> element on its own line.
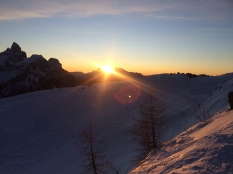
<point x="128" y="94"/>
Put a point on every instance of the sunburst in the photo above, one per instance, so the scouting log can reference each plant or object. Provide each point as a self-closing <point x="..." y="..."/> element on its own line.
<point x="108" y="69"/>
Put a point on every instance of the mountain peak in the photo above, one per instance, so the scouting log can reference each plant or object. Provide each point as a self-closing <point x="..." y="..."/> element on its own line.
<point x="23" y="75"/>
<point x="54" y="64"/>
<point x="15" y="47"/>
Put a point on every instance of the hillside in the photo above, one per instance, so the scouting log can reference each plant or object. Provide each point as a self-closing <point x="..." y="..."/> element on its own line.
<point x="203" y="148"/>
<point x="38" y="131"/>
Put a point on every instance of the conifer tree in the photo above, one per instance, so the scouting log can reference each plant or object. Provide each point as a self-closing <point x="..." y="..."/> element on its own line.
<point x="148" y="127"/>
<point x="95" y="154"/>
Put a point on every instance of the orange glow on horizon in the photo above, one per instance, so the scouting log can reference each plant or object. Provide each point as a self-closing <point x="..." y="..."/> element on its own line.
<point x="108" y="69"/>
<point x="144" y="69"/>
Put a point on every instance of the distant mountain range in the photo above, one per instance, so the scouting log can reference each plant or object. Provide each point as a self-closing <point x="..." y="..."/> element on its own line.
<point x="19" y="74"/>
<point x="98" y="76"/>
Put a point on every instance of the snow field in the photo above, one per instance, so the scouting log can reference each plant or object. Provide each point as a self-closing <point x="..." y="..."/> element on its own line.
<point x="38" y="131"/>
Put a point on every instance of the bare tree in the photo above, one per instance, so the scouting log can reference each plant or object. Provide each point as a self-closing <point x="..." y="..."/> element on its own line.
<point x="201" y="111"/>
<point x="95" y="155"/>
<point x="148" y="127"/>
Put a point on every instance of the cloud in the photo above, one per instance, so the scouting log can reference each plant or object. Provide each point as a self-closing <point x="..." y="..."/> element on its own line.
<point x="158" y="9"/>
<point x="180" y="18"/>
<point x="21" y="9"/>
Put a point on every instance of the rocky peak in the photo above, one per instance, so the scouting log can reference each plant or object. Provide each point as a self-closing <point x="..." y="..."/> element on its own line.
<point x="15" y="48"/>
<point x="54" y="64"/>
<point x="23" y="75"/>
<point x="14" y="53"/>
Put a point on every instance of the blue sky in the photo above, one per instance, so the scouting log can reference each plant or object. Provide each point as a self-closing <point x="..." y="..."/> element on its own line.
<point x="145" y="36"/>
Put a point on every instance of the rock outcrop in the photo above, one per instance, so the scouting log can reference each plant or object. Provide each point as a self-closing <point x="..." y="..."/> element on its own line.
<point x="230" y="99"/>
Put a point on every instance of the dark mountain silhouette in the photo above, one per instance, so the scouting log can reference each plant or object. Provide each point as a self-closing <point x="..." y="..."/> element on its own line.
<point x="19" y="74"/>
<point x="98" y="76"/>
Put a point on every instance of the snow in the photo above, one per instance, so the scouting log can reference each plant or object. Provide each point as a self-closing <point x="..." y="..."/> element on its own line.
<point x="33" y="58"/>
<point x="203" y="148"/>
<point x="6" y="75"/>
<point x="39" y="130"/>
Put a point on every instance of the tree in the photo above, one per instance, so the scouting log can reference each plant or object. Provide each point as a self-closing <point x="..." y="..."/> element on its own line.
<point x="148" y="127"/>
<point x="95" y="155"/>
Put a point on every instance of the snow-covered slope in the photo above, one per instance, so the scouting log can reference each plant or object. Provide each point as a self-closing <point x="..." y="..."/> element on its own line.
<point x="203" y="148"/>
<point x="38" y="131"/>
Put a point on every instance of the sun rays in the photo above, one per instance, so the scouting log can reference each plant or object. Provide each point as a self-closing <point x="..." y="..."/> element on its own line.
<point x="132" y="89"/>
<point x="108" y="69"/>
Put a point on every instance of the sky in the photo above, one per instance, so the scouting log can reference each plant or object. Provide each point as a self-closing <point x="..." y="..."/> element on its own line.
<point x="146" y="36"/>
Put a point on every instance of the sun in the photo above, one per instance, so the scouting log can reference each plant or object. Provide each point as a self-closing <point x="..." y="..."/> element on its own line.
<point x="107" y="69"/>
